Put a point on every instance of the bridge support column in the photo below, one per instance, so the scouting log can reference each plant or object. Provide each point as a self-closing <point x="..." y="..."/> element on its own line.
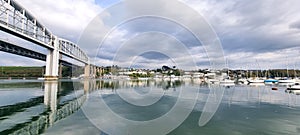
<point x="60" y="66"/>
<point x="95" y="71"/>
<point x="98" y="72"/>
<point x="52" y="62"/>
<point x="91" y="71"/>
<point x="87" y="69"/>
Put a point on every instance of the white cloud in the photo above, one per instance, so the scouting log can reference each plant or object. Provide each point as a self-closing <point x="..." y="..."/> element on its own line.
<point x="65" y="18"/>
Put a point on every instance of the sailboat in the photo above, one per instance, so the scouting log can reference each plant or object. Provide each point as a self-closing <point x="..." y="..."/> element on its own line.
<point x="256" y="79"/>
<point x="270" y="80"/>
<point x="227" y="79"/>
<point x="286" y="79"/>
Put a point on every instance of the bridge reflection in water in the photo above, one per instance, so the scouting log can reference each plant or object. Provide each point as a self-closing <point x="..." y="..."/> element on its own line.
<point x="59" y="100"/>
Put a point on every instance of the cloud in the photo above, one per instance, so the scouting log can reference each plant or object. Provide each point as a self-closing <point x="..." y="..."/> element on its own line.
<point x="65" y="18"/>
<point x="295" y="25"/>
<point x="249" y="31"/>
<point x="253" y="29"/>
<point x="161" y="21"/>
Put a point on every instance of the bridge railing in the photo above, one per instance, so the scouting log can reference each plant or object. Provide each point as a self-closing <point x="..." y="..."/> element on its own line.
<point x="16" y="20"/>
<point x="72" y="50"/>
<point x="14" y="16"/>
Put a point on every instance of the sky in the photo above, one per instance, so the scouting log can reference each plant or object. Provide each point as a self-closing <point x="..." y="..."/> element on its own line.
<point x="253" y="34"/>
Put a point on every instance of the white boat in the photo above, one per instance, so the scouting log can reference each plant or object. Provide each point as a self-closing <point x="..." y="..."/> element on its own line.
<point x="243" y="80"/>
<point x="286" y="84"/>
<point x="256" y="84"/>
<point x="286" y="80"/>
<point x="227" y="78"/>
<point x="297" y="80"/>
<point x="227" y="81"/>
<point x="143" y="78"/>
<point x="41" y="78"/>
<point x="256" y="80"/>
<point x="213" y="81"/>
<point x="295" y="87"/>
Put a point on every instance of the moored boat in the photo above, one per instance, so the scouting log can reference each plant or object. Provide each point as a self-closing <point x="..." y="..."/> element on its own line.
<point x="286" y="80"/>
<point x="295" y="87"/>
<point x="40" y="78"/>
<point x="227" y="81"/>
<point x="270" y="81"/>
<point x="256" y="80"/>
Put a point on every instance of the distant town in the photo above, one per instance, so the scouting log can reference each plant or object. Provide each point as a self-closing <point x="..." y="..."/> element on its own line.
<point x="164" y="72"/>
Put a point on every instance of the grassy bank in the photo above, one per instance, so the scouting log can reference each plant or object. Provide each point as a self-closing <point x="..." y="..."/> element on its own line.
<point x="33" y="72"/>
<point x="20" y="72"/>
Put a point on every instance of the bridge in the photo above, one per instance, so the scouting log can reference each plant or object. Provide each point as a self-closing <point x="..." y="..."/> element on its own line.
<point x="17" y="21"/>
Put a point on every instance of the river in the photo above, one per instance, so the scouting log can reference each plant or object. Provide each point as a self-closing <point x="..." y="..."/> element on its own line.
<point x="131" y="107"/>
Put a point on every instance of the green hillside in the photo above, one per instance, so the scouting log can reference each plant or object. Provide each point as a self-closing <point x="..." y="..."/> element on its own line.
<point x="10" y="71"/>
<point x="34" y="72"/>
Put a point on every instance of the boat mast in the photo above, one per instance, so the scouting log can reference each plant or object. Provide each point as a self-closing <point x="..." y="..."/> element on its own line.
<point x="287" y="70"/>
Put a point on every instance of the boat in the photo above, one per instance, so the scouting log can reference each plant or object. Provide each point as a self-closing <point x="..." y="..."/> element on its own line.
<point x="213" y="81"/>
<point x="256" y="84"/>
<point x="256" y="80"/>
<point x="143" y="78"/>
<point x="227" y="78"/>
<point x="286" y="80"/>
<point x="227" y="81"/>
<point x="274" y="88"/>
<point x="227" y="84"/>
<point x="270" y="81"/>
<point x="243" y="80"/>
<point x="40" y="78"/>
<point x="295" y="87"/>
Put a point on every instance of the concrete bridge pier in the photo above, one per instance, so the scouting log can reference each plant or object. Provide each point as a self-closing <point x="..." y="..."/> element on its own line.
<point x="60" y="67"/>
<point x="87" y="70"/>
<point x="99" y="71"/>
<point x="52" y="61"/>
<point x="90" y="71"/>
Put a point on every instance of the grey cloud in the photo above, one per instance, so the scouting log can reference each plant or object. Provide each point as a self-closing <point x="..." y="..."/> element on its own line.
<point x="246" y="28"/>
<point x="295" y="25"/>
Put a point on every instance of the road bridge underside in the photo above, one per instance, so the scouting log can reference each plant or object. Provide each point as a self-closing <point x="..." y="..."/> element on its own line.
<point x="17" y="50"/>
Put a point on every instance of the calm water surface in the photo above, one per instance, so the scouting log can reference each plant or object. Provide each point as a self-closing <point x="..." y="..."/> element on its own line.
<point x="37" y="107"/>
